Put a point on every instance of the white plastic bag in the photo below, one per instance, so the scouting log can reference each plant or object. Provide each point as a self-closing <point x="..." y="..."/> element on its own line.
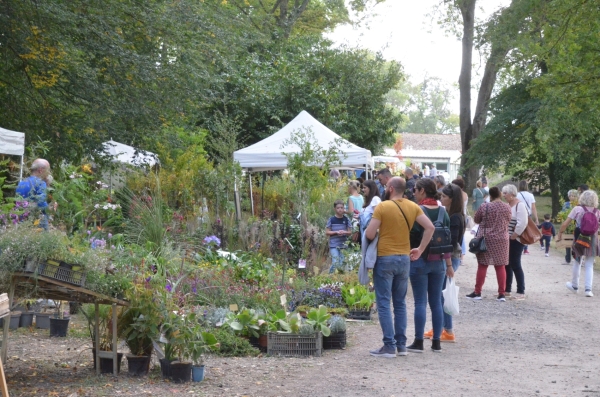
<point x="450" y="295"/>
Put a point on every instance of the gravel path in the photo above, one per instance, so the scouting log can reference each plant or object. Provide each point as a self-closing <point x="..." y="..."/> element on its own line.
<point x="546" y="345"/>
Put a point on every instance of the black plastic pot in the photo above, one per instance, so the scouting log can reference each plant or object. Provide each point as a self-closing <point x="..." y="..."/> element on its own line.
<point x="181" y="372"/>
<point x="42" y="320"/>
<point x="106" y="361"/>
<point x="165" y="367"/>
<point x="335" y="341"/>
<point x="138" y="365"/>
<point x="15" y="320"/>
<point x="59" y="327"/>
<point x="26" y="320"/>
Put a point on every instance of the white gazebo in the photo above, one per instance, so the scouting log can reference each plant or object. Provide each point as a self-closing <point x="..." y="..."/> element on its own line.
<point x="13" y="143"/>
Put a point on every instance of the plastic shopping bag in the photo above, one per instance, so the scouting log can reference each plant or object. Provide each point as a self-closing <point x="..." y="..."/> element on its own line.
<point x="450" y="295"/>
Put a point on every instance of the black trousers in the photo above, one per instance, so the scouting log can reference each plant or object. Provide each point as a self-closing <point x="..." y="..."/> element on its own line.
<point x="515" y="250"/>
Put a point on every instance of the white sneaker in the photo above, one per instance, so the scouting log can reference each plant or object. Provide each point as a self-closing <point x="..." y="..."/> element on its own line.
<point x="541" y="248"/>
<point x="547" y="254"/>
<point x="569" y="286"/>
<point x="589" y="294"/>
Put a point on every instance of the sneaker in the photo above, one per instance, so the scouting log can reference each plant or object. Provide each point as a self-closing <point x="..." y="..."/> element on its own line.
<point x="519" y="297"/>
<point x="526" y="252"/>
<point x="589" y="293"/>
<point x="507" y="294"/>
<point x="567" y="263"/>
<point x="416" y="347"/>
<point x="474" y="296"/>
<point x="446" y="337"/>
<point x="402" y="351"/>
<point x="547" y="255"/>
<point x="542" y="248"/>
<point x="428" y="334"/>
<point x="569" y="286"/>
<point x="436" y="346"/>
<point x="501" y="298"/>
<point x="385" y="351"/>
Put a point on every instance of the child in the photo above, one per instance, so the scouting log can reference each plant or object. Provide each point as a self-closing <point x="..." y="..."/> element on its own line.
<point x="338" y="230"/>
<point x="548" y="233"/>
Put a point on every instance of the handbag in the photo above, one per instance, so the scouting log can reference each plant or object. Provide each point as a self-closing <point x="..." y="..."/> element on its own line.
<point x="531" y="234"/>
<point x="477" y="244"/>
<point x="450" y="295"/>
<point x="356" y="237"/>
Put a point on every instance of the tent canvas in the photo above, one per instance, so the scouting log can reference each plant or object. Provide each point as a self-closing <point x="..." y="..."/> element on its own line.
<point x="126" y="154"/>
<point x="268" y="154"/>
<point x="13" y="143"/>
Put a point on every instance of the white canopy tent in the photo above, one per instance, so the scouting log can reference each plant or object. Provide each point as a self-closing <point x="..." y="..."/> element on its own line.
<point x="268" y="154"/>
<point x="13" y="143"/>
<point x="126" y="154"/>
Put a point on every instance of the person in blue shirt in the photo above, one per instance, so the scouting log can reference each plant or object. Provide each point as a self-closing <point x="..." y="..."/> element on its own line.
<point x="33" y="189"/>
<point x="338" y="229"/>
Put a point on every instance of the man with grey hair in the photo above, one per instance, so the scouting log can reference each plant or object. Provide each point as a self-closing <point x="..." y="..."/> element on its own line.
<point x="439" y="183"/>
<point x="33" y="189"/>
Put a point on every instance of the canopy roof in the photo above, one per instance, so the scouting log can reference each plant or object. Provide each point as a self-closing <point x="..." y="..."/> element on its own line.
<point x="268" y="154"/>
<point x="126" y="154"/>
<point x="12" y="142"/>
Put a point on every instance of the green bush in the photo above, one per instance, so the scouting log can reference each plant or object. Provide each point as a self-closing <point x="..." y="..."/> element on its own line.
<point x="232" y="345"/>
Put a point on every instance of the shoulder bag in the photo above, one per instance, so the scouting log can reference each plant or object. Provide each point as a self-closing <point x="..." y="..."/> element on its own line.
<point x="531" y="234"/>
<point x="477" y="244"/>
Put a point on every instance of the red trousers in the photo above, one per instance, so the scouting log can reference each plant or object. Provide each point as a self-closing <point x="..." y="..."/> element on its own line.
<point x="500" y="276"/>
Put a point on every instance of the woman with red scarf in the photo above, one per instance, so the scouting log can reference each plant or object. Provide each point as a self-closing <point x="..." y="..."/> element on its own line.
<point x="427" y="273"/>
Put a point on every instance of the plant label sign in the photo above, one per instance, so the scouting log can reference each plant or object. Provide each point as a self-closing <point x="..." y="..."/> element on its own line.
<point x="302" y="264"/>
<point x="351" y="291"/>
<point x="316" y="270"/>
<point x="233" y="307"/>
<point x="283" y="300"/>
<point x="291" y="280"/>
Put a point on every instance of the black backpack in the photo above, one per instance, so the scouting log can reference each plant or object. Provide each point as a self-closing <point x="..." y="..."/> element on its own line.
<point x="441" y="241"/>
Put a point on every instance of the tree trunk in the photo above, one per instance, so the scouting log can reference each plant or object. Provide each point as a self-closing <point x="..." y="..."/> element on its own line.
<point x="553" y="169"/>
<point x="467" y="9"/>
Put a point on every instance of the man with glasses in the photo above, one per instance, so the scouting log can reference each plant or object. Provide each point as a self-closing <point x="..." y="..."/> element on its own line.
<point x="394" y="218"/>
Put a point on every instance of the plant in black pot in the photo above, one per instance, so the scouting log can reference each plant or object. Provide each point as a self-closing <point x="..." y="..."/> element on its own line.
<point x="105" y="336"/>
<point x="139" y="326"/>
<point x="337" y="338"/>
<point x="59" y="324"/>
<point x="179" y="330"/>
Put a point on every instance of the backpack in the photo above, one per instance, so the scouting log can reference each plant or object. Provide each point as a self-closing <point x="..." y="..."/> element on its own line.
<point x="589" y="222"/>
<point x="441" y="241"/>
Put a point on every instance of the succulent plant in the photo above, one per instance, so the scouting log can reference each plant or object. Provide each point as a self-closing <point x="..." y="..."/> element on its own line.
<point x="216" y="317"/>
<point x="306" y="329"/>
<point x="337" y="324"/>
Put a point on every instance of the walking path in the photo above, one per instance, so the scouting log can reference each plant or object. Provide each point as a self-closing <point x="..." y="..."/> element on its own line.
<point x="546" y="345"/>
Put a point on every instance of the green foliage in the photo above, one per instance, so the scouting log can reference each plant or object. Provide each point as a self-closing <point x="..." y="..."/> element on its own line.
<point x="104" y="314"/>
<point x="337" y="324"/>
<point x="231" y="345"/>
<point x="358" y="297"/>
<point x="318" y="319"/>
<point x="244" y="323"/>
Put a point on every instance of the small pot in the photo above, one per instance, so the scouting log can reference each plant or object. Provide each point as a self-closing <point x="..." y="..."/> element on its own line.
<point x="106" y="361"/>
<point x="42" y="320"/>
<point x="198" y="373"/>
<point x="181" y="372"/>
<point x="59" y="327"/>
<point x="26" y="320"/>
<point x="138" y="365"/>
<point x="15" y="320"/>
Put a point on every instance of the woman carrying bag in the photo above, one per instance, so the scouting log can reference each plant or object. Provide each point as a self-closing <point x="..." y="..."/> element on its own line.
<point x="493" y="219"/>
<point x="427" y="273"/>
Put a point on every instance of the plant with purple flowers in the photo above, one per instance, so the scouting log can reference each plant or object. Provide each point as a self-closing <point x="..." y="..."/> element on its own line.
<point x="212" y="240"/>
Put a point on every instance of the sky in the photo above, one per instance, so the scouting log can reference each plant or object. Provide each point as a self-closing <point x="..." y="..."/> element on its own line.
<point x="402" y="31"/>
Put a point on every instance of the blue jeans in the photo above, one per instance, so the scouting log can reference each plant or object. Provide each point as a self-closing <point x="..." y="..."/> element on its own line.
<point x="546" y="239"/>
<point x="337" y="258"/>
<point x="390" y="279"/>
<point x="426" y="278"/>
<point x="447" y="317"/>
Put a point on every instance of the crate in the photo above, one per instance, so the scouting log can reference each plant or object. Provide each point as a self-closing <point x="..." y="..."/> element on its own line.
<point x="359" y="315"/>
<point x="335" y="341"/>
<point x="294" y="345"/>
<point x="566" y="242"/>
<point x="62" y="271"/>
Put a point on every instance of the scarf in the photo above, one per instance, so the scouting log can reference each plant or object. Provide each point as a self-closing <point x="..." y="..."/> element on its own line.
<point x="428" y="201"/>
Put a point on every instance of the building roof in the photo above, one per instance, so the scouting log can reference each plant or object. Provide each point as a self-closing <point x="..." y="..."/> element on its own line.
<point x="452" y="156"/>
<point x="431" y="141"/>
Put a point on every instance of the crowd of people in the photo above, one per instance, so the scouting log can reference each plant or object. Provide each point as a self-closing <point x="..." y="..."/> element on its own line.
<point x="400" y="217"/>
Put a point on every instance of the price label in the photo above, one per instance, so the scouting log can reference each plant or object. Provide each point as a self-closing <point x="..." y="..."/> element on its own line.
<point x="302" y="264"/>
<point x="233" y="307"/>
<point x="291" y="280"/>
<point x="351" y="291"/>
<point x="283" y="300"/>
<point x="316" y="270"/>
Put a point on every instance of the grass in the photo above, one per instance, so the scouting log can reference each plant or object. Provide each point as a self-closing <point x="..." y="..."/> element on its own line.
<point x="543" y="205"/>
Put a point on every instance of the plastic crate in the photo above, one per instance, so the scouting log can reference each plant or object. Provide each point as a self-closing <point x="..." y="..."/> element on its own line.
<point x="63" y="272"/>
<point x="294" y="345"/>
<point x="359" y="315"/>
<point x="335" y="341"/>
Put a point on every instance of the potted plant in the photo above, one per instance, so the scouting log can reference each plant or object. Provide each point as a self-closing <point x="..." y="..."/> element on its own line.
<point x="203" y="343"/>
<point x="359" y="301"/>
<point x="337" y="338"/>
<point x="295" y="338"/>
<point x="179" y="331"/>
<point x="27" y="316"/>
<point x="244" y="323"/>
<point x="105" y="336"/>
<point x="59" y="324"/>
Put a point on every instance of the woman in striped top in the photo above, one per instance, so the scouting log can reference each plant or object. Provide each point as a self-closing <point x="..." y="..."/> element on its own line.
<point x="516" y="227"/>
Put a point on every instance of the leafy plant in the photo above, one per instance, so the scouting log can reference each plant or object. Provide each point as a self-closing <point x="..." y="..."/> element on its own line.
<point x="231" y="345"/>
<point x="245" y="323"/>
<point x="358" y="297"/>
<point x="337" y="324"/>
<point x="203" y="342"/>
<point x="318" y="319"/>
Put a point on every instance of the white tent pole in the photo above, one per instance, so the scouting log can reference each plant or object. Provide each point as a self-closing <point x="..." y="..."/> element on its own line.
<point x="251" y="198"/>
<point x="21" y="172"/>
